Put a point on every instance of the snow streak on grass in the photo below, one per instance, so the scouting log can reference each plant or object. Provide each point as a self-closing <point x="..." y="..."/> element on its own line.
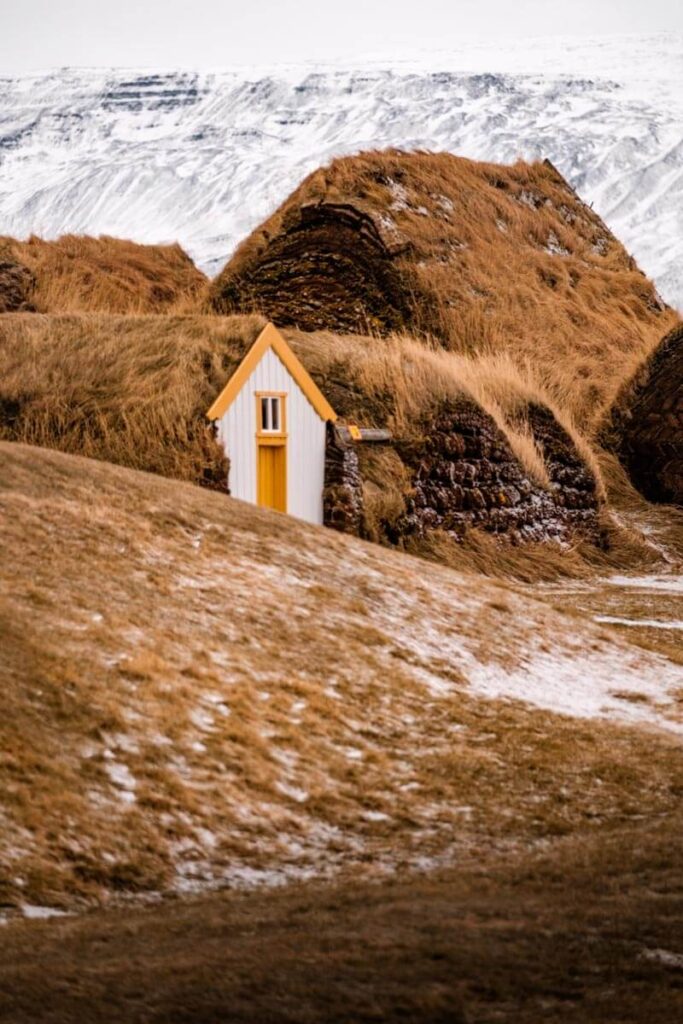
<point x="280" y="702"/>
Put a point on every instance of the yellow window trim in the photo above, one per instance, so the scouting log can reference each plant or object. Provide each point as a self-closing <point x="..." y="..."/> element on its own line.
<point x="270" y="337"/>
<point x="272" y="440"/>
<point x="282" y="432"/>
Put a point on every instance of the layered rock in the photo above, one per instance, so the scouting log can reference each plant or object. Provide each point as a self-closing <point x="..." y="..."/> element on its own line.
<point x="645" y="426"/>
<point x="343" y="487"/>
<point x="332" y="265"/>
<point x="466" y="474"/>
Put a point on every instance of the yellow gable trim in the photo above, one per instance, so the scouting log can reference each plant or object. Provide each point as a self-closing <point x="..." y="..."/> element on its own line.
<point x="270" y="337"/>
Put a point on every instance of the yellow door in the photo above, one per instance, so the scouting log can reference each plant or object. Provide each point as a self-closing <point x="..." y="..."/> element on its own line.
<point x="272" y="476"/>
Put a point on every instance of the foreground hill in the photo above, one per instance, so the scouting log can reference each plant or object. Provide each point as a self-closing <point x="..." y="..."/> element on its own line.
<point x="197" y="693"/>
<point x="585" y="931"/>
<point x="78" y="274"/>
<point x="484" y="257"/>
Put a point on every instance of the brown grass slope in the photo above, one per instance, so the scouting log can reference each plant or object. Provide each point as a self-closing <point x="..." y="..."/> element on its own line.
<point x="645" y="424"/>
<point x="589" y="931"/>
<point x="483" y="257"/>
<point x="80" y="274"/>
<point x="134" y="391"/>
<point x="196" y="692"/>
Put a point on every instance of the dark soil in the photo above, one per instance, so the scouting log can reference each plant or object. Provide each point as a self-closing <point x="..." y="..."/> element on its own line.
<point x="588" y="931"/>
<point x="16" y="287"/>
<point x="647" y="423"/>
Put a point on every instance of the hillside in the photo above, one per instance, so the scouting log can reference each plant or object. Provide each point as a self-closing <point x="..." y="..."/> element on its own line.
<point x="475" y="443"/>
<point x="127" y="389"/>
<point x="218" y="695"/>
<point x="78" y="274"/>
<point x="485" y="258"/>
<point x="163" y="154"/>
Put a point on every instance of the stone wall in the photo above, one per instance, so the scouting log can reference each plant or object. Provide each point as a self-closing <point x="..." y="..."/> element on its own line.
<point x="464" y="474"/>
<point x="343" y="489"/>
<point x="467" y="475"/>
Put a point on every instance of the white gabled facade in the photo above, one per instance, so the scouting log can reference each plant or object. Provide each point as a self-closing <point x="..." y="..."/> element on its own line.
<point x="280" y="462"/>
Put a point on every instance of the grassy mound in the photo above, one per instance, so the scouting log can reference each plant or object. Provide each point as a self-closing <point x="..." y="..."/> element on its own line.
<point x="485" y="258"/>
<point x="197" y="692"/>
<point x="80" y="274"/>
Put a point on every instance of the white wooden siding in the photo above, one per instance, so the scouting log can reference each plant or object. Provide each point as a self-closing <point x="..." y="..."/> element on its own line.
<point x="305" y="442"/>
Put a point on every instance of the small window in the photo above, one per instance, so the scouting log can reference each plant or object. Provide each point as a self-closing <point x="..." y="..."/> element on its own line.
<point x="271" y="417"/>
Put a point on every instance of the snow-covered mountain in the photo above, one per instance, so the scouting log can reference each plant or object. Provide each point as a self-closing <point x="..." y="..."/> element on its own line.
<point x="203" y="157"/>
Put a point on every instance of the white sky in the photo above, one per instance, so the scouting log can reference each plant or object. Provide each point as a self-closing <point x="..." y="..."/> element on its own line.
<point x="38" y="34"/>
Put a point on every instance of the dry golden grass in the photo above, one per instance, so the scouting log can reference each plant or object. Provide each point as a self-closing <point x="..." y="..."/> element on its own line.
<point x="132" y="390"/>
<point x="401" y="382"/>
<point x="197" y="692"/>
<point x="79" y="274"/>
<point x="498" y="260"/>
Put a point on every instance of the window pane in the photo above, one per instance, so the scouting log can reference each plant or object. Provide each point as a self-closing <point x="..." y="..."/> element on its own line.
<point x="275" y="414"/>
<point x="264" y="414"/>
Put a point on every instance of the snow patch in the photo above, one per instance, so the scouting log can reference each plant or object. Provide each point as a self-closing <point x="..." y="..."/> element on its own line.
<point x="122" y="777"/>
<point x="669" y="584"/>
<point x="650" y="623"/>
<point x="664" y="956"/>
<point x="553" y="246"/>
<point x="293" y="792"/>
<point x="37" y="913"/>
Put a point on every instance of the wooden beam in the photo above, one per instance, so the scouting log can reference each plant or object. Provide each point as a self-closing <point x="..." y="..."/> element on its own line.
<point x="368" y="435"/>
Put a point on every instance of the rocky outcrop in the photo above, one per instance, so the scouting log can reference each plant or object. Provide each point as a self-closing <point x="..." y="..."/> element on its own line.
<point x="645" y="427"/>
<point x="16" y="286"/>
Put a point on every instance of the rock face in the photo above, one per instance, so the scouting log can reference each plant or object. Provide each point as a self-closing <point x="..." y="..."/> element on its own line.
<point x="646" y="424"/>
<point x="16" y="285"/>
<point x="467" y="475"/>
